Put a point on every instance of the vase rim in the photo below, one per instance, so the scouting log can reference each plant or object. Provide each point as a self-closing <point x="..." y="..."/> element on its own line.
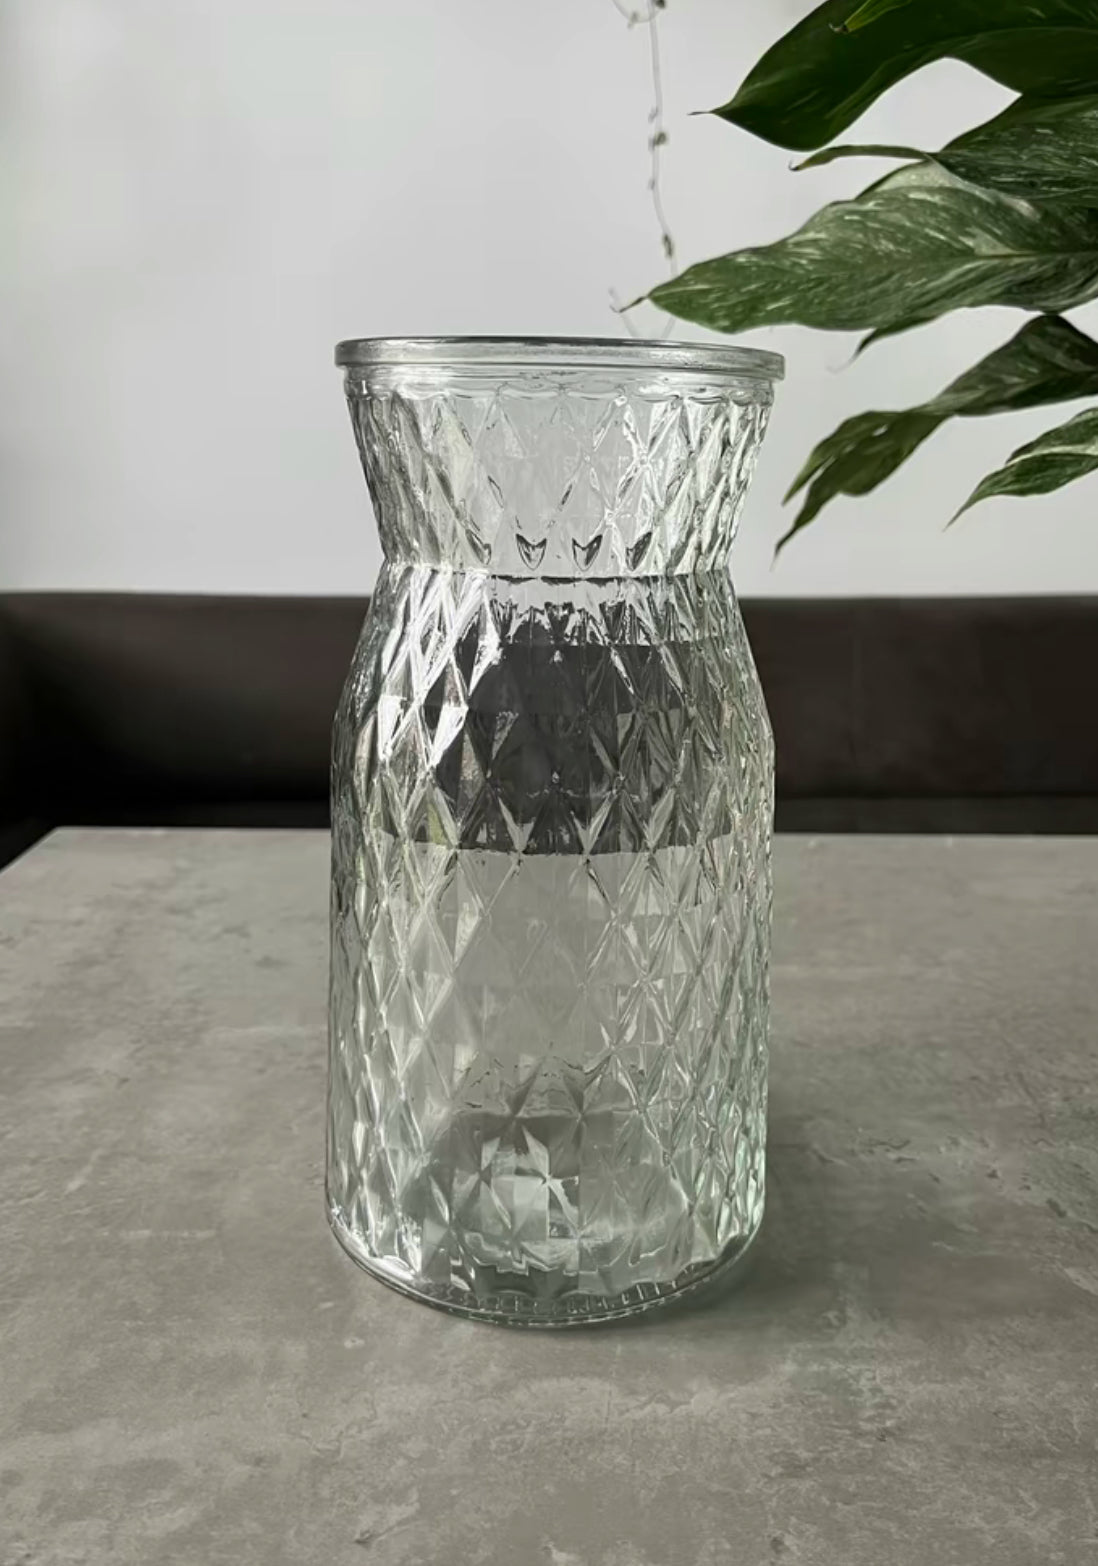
<point x="562" y="353"/>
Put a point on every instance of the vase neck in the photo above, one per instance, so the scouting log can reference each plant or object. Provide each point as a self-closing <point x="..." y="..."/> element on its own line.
<point x="567" y="474"/>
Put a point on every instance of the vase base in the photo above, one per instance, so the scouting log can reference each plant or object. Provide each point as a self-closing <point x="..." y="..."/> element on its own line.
<point x="511" y="1309"/>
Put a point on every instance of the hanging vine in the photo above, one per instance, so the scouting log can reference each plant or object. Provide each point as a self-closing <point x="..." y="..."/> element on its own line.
<point x="657" y="140"/>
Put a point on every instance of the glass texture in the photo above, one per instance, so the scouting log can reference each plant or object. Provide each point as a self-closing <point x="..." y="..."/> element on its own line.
<point x="552" y="800"/>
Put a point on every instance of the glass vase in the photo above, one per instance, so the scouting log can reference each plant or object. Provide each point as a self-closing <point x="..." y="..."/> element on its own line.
<point x="551" y="825"/>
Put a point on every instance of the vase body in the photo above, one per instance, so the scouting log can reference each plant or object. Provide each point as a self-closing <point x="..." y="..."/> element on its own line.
<point x="551" y="826"/>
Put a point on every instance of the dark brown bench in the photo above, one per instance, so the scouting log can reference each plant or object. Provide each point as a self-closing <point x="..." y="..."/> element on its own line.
<point x="953" y="715"/>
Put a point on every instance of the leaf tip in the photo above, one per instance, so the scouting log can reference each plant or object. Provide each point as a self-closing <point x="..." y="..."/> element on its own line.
<point x="785" y="539"/>
<point x="801" y="480"/>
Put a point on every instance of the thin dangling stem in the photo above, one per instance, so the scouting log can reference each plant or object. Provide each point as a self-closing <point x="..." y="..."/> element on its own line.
<point x="657" y="140"/>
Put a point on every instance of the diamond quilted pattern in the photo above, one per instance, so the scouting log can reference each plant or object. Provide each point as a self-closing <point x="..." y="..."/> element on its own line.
<point x="552" y="795"/>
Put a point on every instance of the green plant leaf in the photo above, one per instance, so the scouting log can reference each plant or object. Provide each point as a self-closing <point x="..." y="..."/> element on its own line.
<point x="1042" y="151"/>
<point x="862" y="453"/>
<point x="1047" y="361"/>
<point x="871" y="339"/>
<point x="1045" y="464"/>
<point x="914" y="246"/>
<point x="863" y="150"/>
<point x="871" y="11"/>
<point x="818" y="79"/>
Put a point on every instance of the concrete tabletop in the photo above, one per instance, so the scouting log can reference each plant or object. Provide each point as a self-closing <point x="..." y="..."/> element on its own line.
<point x="191" y="1372"/>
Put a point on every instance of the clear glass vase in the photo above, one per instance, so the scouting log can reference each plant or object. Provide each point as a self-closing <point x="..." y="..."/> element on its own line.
<point x="551" y="826"/>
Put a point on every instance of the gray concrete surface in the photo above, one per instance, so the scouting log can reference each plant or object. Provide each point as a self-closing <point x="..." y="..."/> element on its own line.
<point x="193" y="1373"/>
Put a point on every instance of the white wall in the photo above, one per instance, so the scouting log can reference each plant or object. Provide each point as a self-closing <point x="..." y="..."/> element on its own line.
<point x="207" y="193"/>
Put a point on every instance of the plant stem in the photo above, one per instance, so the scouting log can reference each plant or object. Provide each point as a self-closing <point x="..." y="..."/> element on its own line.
<point x="657" y="140"/>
